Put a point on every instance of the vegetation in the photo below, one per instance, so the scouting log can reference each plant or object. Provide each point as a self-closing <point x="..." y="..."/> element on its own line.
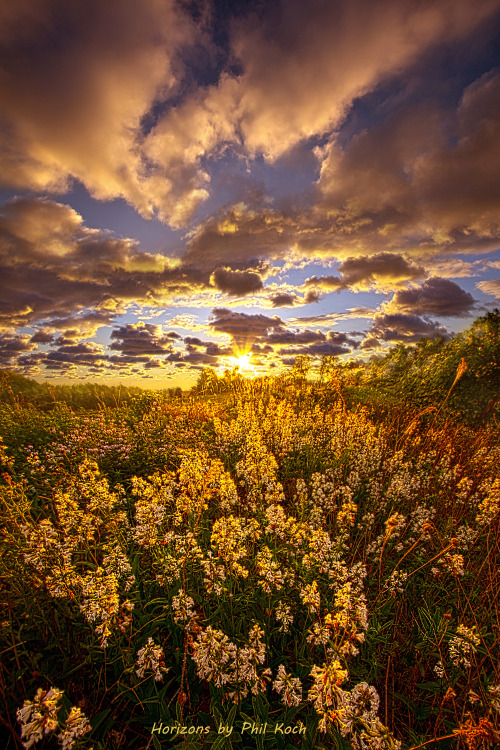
<point x="271" y="563"/>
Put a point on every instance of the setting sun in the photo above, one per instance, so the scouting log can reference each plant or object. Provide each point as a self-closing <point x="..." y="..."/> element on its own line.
<point x="243" y="363"/>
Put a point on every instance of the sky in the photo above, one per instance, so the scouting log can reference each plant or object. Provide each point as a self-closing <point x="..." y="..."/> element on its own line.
<point x="185" y="182"/>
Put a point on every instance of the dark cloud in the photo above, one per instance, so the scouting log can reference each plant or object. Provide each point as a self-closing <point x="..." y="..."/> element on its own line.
<point x="216" y="350"/>
<point x="312" y="295"/>
<point x="82" y="354"/>
<point x="135" y="339"/>
<point x="192" y="357"/>
<point x="370" y="343"/>
<point x="399" y="327"/>
<point x="436" y="296"/>
<point x="11" y="345"/>
<point x="78" y="79"/>
<point x="386" y="267"/>
<point x="135" y="101"/>
<point x="237" y="283"/>
<point x="284" y="337"/>
<point x="329" y="283"/>
<point x="243" y="327"/>
<point x="339" y="337"/>
<point x="52" y="267"/>
<point x="283" y="300"/>
<point x="42" y="337"/>
<point x="423" y="177"/>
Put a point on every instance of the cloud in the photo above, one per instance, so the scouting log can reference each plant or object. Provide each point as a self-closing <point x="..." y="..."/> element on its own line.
<point x="436" y="296"/>
<point x="237" y="283"/>
<point x="244" y="328"/>
<point x="422" y="178"/>
<point x="312" y="295"/>
<point x="99" y="92"/>
<point x="79" y="79"/>
<point x="370" y="343"/>
<point x="492" y="286"/>
<point x="454" y="268"/>
<point x="326" y="349"/>
<point x="285" y="336"/>
<point x="282" y="98"/>
<point x="11" y="345"/>
<point x="42" y="337"/>
<point x="381" y="271"/>
<point x="340" y="337"/>
<point x="135" y="339"/>
<point x="186" y="321"/>
<point x="328" y="283"/>
<point x="283" y="299"/>
<point x="83" y="354"/>
<point x="405" y="328"/>
<point x="329" y="319"/>
<point x="52" y="268"/>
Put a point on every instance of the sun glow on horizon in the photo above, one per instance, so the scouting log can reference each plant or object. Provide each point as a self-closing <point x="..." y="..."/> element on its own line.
<point x="243" y="363"/>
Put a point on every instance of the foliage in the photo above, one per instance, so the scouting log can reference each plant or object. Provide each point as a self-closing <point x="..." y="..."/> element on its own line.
<point x="275" y="568"/>
<point x="422" y="375"/>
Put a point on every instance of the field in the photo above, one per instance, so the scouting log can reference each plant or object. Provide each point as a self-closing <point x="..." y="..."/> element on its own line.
<point x="274" y="566"/>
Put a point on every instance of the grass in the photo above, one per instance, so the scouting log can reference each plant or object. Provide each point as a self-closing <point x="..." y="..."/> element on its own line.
<point x="274" y="567"/>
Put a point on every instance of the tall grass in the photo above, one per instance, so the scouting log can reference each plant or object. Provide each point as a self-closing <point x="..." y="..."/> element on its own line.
<point x="274" y="568"/>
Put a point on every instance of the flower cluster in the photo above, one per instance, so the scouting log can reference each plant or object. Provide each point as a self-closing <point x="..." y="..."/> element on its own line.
<point x="238" y="669"/>
<point x="150" y="659"/>
<point x="290" y="688"/>
<point x="463" y="646"/>
<point x="40" y="717"/>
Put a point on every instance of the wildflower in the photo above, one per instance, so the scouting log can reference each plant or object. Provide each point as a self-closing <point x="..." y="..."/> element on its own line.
<point x="229" y="537"/>
<point x="463" y="646"/>
<point x="213" y="655"/>
<point x="215" y="574"/>
<point x="39" y="717"/>
<point x="347" y="514"/>
<point x="494" y="691"/>
<point x="364" y="702"/>
<point x="310" y="596"/>
<point x="439" y="670"/>
<point x="490" y="506"/>
<point x="125" y="618"/>
<point x="282" y="614"/>
<point x="290" y="688"/>
<point x="453" y="563"/>
<point x="150" y="658"/>
<point x="183" y="607"/>
<point x="394" y="524"/>
<point x="395" y="583"/>
<point x="481" y="734"/>
<point x="269" y="571"/>
<point x="76" y="726"/>
<point x="326" y="693"/>
<point x="219" y="660"/>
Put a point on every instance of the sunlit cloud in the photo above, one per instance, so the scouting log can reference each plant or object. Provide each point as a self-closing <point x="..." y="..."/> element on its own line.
<point x="288" y="156"/>
<point x="491" y="287"/>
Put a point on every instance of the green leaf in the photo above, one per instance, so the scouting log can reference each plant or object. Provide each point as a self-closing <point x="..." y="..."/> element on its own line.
<point x="97" y="720"/>
<point x="431" y="687"/>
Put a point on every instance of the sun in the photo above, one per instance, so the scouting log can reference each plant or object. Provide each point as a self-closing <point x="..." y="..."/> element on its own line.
<point x="243" y="363"/>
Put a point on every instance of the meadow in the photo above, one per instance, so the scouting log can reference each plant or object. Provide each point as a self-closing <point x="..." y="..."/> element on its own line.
<point x="269" y="563"/>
